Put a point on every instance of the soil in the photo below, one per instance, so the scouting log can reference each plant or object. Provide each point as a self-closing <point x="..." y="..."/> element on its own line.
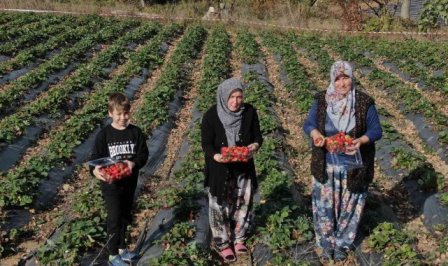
<point x="235" y="62"/>
<point x="435" y="97"/>
<point x="174" y="142"/>
<point x="63" y="201"/>
<point x="296" y="140"/>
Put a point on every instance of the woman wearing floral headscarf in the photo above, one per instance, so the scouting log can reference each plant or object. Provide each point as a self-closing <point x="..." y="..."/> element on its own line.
<point x="230" y="122"/>
<point x="339" y="192"/>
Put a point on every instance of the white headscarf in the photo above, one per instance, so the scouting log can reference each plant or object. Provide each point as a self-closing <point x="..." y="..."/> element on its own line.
<point x="230" y="120"/>
<point x="341" y="108"/>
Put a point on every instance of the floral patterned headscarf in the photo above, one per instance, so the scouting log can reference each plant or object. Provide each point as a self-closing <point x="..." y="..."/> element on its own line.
<point x="341" y="108"/>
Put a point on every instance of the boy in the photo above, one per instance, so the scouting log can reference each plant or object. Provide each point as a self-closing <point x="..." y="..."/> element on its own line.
<point x="122" y="141"/>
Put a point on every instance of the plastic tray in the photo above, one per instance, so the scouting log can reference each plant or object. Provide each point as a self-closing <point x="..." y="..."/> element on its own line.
<point x="350" y="161"/>
<point x="105" y="161"/>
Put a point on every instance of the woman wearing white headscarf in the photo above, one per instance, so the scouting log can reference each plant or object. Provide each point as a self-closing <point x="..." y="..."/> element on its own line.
<point x="230" y="122"/>
<point x="339" y="192"/>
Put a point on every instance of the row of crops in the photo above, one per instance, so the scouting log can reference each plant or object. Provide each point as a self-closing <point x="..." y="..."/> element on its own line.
<point x="57" y="71"/>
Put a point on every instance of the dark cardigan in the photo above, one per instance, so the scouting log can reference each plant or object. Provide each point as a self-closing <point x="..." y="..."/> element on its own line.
<point x="213" y="137"/>
<point x="358" y="179"/>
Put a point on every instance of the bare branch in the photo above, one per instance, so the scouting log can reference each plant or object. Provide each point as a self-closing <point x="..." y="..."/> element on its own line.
<point x="371" y="7"/>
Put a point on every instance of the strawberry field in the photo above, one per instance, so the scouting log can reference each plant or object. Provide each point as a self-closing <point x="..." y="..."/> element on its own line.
<point x="56" y="72"/>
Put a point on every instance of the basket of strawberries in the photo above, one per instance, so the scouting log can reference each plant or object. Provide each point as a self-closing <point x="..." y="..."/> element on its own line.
<point x="235" y="154"/>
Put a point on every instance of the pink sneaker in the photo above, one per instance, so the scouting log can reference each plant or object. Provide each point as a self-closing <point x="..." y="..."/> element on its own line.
<point x="240" y="248"/>
<point x="227" y="255"/>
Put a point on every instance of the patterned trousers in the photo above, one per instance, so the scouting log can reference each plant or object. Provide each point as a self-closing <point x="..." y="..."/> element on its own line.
<point x="336" y="210"/>
<point x="231" y="220"/>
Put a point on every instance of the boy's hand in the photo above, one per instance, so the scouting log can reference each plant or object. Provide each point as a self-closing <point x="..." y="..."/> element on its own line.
<point x="97" y="173"/>
<point x="130" y="164"/>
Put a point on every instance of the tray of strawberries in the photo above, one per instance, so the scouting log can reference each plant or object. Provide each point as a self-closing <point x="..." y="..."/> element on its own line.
<point x="338" y="143"/>
<point x="113" y="169"/>
<point x="235" y="154"/>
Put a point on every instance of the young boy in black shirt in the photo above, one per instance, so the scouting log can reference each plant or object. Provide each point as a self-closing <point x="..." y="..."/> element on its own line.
<point x="125" y="142"/>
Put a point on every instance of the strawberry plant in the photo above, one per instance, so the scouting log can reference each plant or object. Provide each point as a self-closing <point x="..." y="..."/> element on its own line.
<point x="190" y="174"/>
<point x="283" y="231"/>
<point x="73" y="239"/>
<point x="443" y="247"/>
<point x="155" y="107"/>
<point x="389" y="132"/>
<point x="19" y="20"/>
<point x="402" y="254"/>
<point x="7" y="34"/>
<point x="443" y="198"/>
<point x="79" y="80"/>
<point x="32" y="37"/>
<point x="89" y="210"/>
<point x="405" y="159"/>
<point x="75" y="129"/>
<point x="395" y="244"/>
<point x="26" y="56"/>
<point x="386" y="234"/>
<point x="180" y="248"/>
<point x="16" y="90"/>
<point x="248" y="49"/>
<point x="300" y="87"/>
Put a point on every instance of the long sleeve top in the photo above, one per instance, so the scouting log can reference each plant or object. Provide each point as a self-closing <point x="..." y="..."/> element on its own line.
<point x="127" y="144"/>
<point x="374" y="132"/>
<point x="213" y="138"/>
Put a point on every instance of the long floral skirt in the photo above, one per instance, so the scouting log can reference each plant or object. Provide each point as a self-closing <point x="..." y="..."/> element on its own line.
<point x="336" y="210"/>
<point x="231" y="219"/>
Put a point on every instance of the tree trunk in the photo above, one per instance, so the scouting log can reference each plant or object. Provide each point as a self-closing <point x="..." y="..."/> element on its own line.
<point x="406" y="9"/>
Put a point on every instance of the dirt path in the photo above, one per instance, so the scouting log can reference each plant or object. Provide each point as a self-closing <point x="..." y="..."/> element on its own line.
<point x="152" y="80"/>
<point x="435" y="97"/>
<point x="173" y="145"/>
<point x="297" y="149"/>
<point x="235" y="62"/>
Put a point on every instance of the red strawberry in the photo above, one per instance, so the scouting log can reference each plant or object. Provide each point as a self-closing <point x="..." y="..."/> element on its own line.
<point x="339" y="142"/>
<point x="235" y="154"/>
<point x="116" y="171"/>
